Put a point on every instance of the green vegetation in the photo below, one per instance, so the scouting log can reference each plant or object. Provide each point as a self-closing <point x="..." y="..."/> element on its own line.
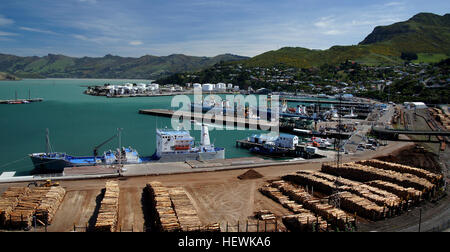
<point x="430" y="57"/>
<point x="145" y="67"/>
<point x="7" y="76"/>
<point x="424" y="34"/>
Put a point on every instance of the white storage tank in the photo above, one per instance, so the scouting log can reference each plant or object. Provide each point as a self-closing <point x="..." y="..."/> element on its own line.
<point x="221" y="86"/>
<point x="197" y="85"/>
<point x="208" y="87"/>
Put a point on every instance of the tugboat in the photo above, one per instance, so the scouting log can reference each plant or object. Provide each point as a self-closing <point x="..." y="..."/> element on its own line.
<point x="55" y="162"/>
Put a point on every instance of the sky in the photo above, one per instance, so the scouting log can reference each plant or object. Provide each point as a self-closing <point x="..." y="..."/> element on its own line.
<point x="133" y="28"/>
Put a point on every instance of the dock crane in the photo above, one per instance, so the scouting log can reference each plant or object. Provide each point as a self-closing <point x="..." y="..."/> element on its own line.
<point x="107" y="141"/>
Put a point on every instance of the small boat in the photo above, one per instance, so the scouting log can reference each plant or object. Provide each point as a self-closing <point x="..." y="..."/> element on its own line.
<point x="351" y="115"/>
<point x="269" y="149"/>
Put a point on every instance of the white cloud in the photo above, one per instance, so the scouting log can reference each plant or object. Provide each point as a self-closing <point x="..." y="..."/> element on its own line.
<point x="99" y="39"/>
<point x="7" y="34"/>
<point x="325" y="22"/>
<point x="393" y="4"/>
<point x="36" y="30"/>
<point x="5" y="21"/>
<point x="135" y="43"/>
<point x="88" y="1"/>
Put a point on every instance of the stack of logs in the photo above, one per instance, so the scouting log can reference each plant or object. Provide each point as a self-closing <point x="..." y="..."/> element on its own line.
<point x="184" y="210"/>
<point x="173" y="211"/>
<point x="336" y="216"/>
<point x="107" y="217"/>
<point x="22" y="215"/>
<point x="163" y="213"/>
<point x="303" y="220"/>
<point x="50" y="204"/>
<point x="265" y="215"/>
<point x="9" y="200"/>
<point x="375" y="194"/>
<point x="276" y="195"/>
<point x="421" y="173"/>
<point x="402" y="192"/>
<point x="365" y="173"/>
<point x="349" y="201"/>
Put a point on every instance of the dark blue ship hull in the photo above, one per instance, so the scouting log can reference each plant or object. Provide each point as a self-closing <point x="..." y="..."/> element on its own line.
<point x="49" y="165"/>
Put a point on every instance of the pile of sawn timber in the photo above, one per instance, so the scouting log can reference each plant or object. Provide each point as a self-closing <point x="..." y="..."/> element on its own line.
<point x="303" y="220"/>
<point x="348" y="201"/>
<point x="333" y="215"/>
<point x="107" y="217"/>
<point x="9" y="200"/>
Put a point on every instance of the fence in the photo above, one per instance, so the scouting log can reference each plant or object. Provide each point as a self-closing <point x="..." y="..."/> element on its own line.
<point x="87" y="228"/>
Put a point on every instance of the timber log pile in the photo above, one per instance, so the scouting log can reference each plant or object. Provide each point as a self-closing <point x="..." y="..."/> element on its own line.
<point x="109" y="209"/>
<point x="184" y="210"/>
<point x="303" y="220"/>
<point x="22" y="215"/>
<point x="363" y="207"/>
<point x="276" y="195"/>
<point x="50" y="204"/>
<point x="402" y="192"/>
<point x="9" y="200"/>
<point x="265" y="215"/>
<point x="352" y="203"/>
<point x="367" y="173"/>
<point x="375" y="194"/>
<point x="421" y="173"/>
<point x="163" y="212"/>
<point x="336" y="216"/>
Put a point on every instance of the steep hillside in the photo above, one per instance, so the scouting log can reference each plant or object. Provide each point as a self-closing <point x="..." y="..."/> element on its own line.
<point x="109" y="66"/>
<point x="425" y="34"/>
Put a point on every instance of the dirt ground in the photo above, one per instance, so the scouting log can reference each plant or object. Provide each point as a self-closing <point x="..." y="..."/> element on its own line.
<point x="218" y="196"/>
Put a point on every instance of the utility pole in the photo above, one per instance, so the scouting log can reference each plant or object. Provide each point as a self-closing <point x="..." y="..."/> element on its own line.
<point x="120" y="146"/>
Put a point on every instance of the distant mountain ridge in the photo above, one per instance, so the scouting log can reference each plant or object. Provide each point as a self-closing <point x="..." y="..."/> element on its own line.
<point x="424" y="33"/>
<point x="109" y="66"/>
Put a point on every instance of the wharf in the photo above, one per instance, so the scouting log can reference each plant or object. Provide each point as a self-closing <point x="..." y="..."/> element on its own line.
<point x="326" y="134"/>
<point x="217" y="119"/>
<point x="333" y="102"/>
<point x="21" y="100"/>
<point x="299" y="151"/>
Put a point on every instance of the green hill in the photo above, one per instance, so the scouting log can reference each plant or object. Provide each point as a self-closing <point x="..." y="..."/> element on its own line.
<point x="425" y="34"/>
<point x="109" y="66"/>
<point x="7" y="76"/>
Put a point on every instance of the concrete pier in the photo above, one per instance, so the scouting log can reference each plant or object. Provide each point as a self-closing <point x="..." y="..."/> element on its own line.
<point x="217" y="119"/>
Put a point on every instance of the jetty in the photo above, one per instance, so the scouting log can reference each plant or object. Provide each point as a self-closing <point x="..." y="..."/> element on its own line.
<point x="20" y="101"/>
<point x="217" y="119"/>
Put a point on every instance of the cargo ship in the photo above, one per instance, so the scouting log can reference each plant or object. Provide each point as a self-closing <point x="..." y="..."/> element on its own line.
<point x="172" y="146"/>
<point x="179" y="146"/>
<point x="55" y="162"/>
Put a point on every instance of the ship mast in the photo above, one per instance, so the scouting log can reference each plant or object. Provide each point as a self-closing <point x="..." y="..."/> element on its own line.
<point x="47" y="142"/>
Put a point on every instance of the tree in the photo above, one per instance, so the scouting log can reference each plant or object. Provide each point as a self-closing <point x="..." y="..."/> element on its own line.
<point x="408" y="56"/>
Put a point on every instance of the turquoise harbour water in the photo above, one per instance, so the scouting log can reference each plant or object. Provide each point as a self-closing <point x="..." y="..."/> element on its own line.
<point x="79" y="122"/>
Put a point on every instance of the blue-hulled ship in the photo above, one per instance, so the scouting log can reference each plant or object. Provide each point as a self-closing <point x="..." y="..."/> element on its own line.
<point x="55" y="162"/>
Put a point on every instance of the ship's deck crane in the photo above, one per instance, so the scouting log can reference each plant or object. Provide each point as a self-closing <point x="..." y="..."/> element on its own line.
<point x="105" y="142"/>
